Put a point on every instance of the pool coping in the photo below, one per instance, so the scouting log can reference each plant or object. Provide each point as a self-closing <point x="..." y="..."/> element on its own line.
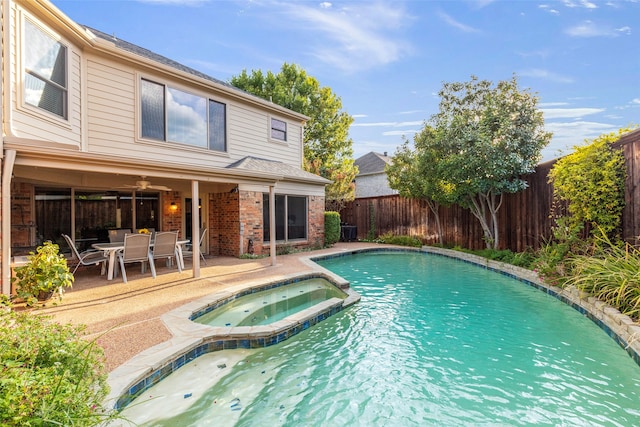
<point x="191" y="339"/>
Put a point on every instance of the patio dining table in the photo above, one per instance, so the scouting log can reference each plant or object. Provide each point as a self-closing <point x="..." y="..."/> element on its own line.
<point x="113" y="248"/>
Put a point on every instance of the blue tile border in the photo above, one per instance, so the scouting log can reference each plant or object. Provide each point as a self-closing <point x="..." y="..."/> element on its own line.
<point x="212" y="344"/>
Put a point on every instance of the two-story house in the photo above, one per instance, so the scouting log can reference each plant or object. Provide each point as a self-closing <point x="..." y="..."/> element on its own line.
<point x="101" y="134"/>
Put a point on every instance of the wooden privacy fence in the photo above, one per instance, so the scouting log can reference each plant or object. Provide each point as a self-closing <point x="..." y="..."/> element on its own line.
<point x="525" y="220"/>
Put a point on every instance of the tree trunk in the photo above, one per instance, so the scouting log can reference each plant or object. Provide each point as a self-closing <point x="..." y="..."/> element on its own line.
<point x="435" y="208"/>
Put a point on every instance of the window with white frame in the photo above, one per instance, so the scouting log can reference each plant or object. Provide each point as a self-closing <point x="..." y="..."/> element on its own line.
<point x="278" y="129"/>
<point x="173" y="115"/>
<point x="45" y="71"/>
<point x="291" y="217"/>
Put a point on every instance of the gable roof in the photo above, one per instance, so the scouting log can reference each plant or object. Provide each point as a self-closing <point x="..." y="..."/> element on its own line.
<point x="163" y="60"/>
<point x="255" y="164"/>
<point x="372" y="163"/>
<point x="146" y="53"/>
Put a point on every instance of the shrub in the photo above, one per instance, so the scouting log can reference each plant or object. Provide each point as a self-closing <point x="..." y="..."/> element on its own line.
<point x="46" y="272"/>
<point x="611" y="274"/>
<point x="591" y="181"/>
<point x="553" y="260"/>
<point x="331" y="227"/>
<point x="400" y="240"/>
<point x="48" y="374"/>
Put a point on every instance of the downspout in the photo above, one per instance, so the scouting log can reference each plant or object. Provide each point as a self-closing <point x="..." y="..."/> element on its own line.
<point x="272" y="224"/>
<point x="195" y="228"/>
<point x="7" y="172"/>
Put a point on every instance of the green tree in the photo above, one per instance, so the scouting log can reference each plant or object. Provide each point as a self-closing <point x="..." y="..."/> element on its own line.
<point x="591" y="181"/>
<point x="414" y="174"/>
<point x="328" y="150"/>
<point x="478" y="146"/>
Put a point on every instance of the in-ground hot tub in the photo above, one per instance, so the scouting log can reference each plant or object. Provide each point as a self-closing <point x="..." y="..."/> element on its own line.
<point x="271" y="305"/>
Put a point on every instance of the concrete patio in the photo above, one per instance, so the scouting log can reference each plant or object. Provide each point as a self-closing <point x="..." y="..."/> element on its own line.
<point x="125" y="318"/>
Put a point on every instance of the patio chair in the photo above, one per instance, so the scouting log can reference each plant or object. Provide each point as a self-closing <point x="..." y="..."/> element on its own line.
<point x="136" y="249"/>
<point x="165" y="247"/>
<point x="86" y="258"/>
<point x="117" y="236"/>
<point x="188" y="253"/>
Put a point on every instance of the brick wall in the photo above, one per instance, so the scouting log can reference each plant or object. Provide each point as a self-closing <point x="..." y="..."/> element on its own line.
<point x="22" y="218"/>
<point x="237" y="218"/>
<point x="224" y="224"/>
<point x="172" y="218"/>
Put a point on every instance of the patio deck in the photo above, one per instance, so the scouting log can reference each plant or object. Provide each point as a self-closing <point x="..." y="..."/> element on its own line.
<point x="125" y="318"/>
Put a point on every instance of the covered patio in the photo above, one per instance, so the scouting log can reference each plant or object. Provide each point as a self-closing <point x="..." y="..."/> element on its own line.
<point x="46" y="195"/>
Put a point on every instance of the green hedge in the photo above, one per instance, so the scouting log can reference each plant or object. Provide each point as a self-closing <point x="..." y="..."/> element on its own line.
<point x="331" y="227"/>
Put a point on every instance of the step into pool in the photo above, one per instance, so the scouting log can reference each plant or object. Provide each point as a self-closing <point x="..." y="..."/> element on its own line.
<point x="269" y="306"/>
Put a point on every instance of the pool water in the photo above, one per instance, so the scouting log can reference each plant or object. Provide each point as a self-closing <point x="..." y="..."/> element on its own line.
<point x="433" y="341"/>
<point x="269" y="306"/>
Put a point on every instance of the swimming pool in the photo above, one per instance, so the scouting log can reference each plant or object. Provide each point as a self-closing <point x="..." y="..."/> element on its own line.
<point x="434" y="341"/>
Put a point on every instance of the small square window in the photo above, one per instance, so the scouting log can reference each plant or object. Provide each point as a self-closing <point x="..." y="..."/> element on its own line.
<point x="278" y="130"/>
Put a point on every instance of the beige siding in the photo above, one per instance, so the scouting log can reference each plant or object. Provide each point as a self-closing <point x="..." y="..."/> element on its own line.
<point x="30" y="122"/>
<point x="111" y="125"/>
<point x="112" y="110"/>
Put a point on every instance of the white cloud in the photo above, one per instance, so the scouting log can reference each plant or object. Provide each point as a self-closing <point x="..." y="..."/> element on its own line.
<point x="591" y="29"/>
<point x="549" y="9"/>
<point x="455" y="24"/>
<point x="564" y="113"/>
<point x="567" y="135"/>
<point x="635" y="101"/>
<point x="400" y="132"/>
<point x="552" y="104"/>
<point x="546" y="75"/>
<point x="353" y="38"/>
<point x="325" y="5"/>
<point x="580" y="3"/>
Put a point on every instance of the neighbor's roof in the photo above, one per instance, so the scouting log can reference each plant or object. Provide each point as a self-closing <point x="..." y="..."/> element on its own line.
<point x="255" y="164"/>
<point x="372" y="163"/>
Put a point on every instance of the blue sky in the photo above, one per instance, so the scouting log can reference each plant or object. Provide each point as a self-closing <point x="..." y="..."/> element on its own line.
<point x="387" y="60"/>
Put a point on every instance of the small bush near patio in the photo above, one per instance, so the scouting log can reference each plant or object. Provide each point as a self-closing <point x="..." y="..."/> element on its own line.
<point x="331" y="228"/>
<point x="48" y="374"/>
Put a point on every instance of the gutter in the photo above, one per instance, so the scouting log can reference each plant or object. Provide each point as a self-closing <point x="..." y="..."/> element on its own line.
<point x="7" y="171"/>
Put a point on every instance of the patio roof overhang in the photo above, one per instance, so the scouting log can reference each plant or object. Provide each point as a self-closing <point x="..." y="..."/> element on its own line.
<point x="79" y="161"/>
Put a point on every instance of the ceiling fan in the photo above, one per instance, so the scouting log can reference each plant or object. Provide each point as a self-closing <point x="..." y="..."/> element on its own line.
<point x="143" y="184"/>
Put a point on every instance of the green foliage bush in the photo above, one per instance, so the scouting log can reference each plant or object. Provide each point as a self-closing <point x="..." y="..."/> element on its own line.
<point x="331" y="227"/>
<point x="400" y="240"/>
<point x="611" y="273"/>
<point x="591" y="181"/>
<point x="46" y="272"/>
<point x="48" y="374"/>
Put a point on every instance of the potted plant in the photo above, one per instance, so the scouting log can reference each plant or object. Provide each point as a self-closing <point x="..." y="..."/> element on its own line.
<point x="45" y="273"/>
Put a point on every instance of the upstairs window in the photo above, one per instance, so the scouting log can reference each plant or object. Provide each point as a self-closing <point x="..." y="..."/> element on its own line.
<point x="278" y="130"/>
<point x="45" y="68"/>
<point x="173" y="115"/>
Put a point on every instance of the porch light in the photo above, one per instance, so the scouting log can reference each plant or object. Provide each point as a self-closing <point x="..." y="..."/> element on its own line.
<point x="173" y="207"/>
